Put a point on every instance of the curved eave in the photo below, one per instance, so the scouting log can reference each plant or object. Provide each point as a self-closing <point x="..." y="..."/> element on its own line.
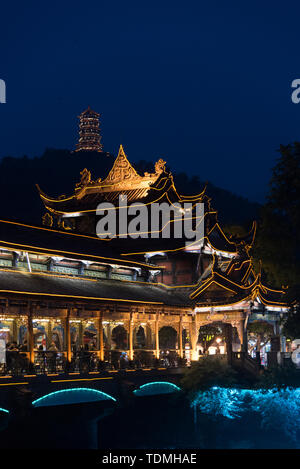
<point x="190" y="198"/>
<point x="162" y="188"/>
<point x="248" y="238"/>
<point x="225" y="282"/>
<point x="219" y="241"/>
<point x="269" y="297"/>
<point x="160" y="248"/>
<point x="52" y="200"/>
<point x="239" y="271"/>
<point x="65" y="206"/>
<point x="226" y="302"/>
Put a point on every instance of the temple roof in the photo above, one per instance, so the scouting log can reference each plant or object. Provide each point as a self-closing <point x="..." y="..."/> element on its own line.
<point x="213" y="292"/>
<point x="47" y="286"/>
<point x="52" y="242"/>
<point x="157" y="187"/>
<point x="122" y="179"/>
<point x="238" y="283"/>
<point x="214" y="238"/>
<point x="89" y="111"/>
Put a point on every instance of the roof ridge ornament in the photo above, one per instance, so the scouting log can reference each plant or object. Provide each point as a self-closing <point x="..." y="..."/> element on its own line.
<point x="160" y="166"/>
<point x="122" y="169"/>
<point x="85" y="178"/>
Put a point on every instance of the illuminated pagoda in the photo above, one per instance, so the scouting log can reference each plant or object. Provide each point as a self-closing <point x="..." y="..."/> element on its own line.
<point x="89" y="131"/>
<point x="121" y="294"/>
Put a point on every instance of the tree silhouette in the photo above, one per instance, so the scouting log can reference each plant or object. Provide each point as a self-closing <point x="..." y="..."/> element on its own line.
<point x="278" y="240"/>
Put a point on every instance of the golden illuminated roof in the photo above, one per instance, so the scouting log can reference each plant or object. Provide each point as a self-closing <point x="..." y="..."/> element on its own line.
<point x="122" y="178"/>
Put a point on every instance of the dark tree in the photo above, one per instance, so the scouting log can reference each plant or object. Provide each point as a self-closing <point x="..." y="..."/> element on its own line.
<point x="209" y="371"/>
<point x="262" y="331"/>
<point x="57" y="171"/>
<point x="278" y="240"/>
<point x="291" y="325"/>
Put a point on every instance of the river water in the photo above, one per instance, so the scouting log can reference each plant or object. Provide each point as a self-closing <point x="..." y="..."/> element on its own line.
<point x="219" y="418"/>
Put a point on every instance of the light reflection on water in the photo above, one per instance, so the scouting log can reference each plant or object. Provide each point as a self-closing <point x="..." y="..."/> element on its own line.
<point x="276" y="412"/>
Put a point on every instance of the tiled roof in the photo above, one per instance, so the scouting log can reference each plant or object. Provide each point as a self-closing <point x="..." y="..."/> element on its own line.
<point x="47" y="285"/>
<point x="42" y="240"/>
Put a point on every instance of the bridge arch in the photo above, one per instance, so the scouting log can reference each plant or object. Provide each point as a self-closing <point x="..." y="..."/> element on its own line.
<point x="5" y="411"/>
<point x="156" y="388"/>
<point x="72" y="396"/>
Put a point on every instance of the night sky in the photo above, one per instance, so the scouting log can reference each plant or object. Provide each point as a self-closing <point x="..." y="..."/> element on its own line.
<point x="205" y="85"/>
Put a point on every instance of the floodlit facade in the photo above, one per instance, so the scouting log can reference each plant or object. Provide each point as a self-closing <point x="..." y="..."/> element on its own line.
<point x="116" y="299"/>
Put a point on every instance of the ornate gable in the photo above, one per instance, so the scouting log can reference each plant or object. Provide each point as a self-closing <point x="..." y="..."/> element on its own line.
<point x="122" y="170"/>
<point x="122" y="177"/>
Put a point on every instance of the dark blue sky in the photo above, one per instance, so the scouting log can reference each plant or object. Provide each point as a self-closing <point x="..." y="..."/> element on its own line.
<point x="205" y="85"/>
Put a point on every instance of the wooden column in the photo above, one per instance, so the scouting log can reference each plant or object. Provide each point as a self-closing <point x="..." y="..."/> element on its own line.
<point x="100" y="332"/>
<point x="194" y="338"/>
<point x="130" y="336"/>
<point x="240" y="330"/>
<point x="157" y="352"/>
<point x="49" y="334"/>
<point x="245" y="334"/>
<point x="180" y="338"/>
<point x="80" y="333"/>
<point x="148" y="332"/>
<point x="30" y="335"/>
<point x="68" y="337"/>
<point x="108" y="328"/>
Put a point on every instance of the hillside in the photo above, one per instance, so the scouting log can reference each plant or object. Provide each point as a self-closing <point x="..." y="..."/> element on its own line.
<point x="57" y="172"/>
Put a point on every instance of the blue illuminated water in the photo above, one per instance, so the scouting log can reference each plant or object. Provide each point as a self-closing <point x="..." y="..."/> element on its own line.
<point x="160" y="416"/>
<point x="239" y="418"/>
<point x="218" y="418"/>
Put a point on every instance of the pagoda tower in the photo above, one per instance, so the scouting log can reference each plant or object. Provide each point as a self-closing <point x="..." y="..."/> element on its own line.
<point x="89" y="131"/>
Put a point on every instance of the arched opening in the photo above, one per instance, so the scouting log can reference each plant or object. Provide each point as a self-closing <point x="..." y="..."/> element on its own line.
<point x="40" y="335"/>
<point x="167" y="338"/>
<point x="58" y="336"/>
<point x="119" y="346"/>
<point x="211" y="339"/>
<point x="119" y="338"/>
<point x="140" y="337"/>
<point x="142" y="344"/>
<point x="90" y="336"/>
<point x="168" y="346"/>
